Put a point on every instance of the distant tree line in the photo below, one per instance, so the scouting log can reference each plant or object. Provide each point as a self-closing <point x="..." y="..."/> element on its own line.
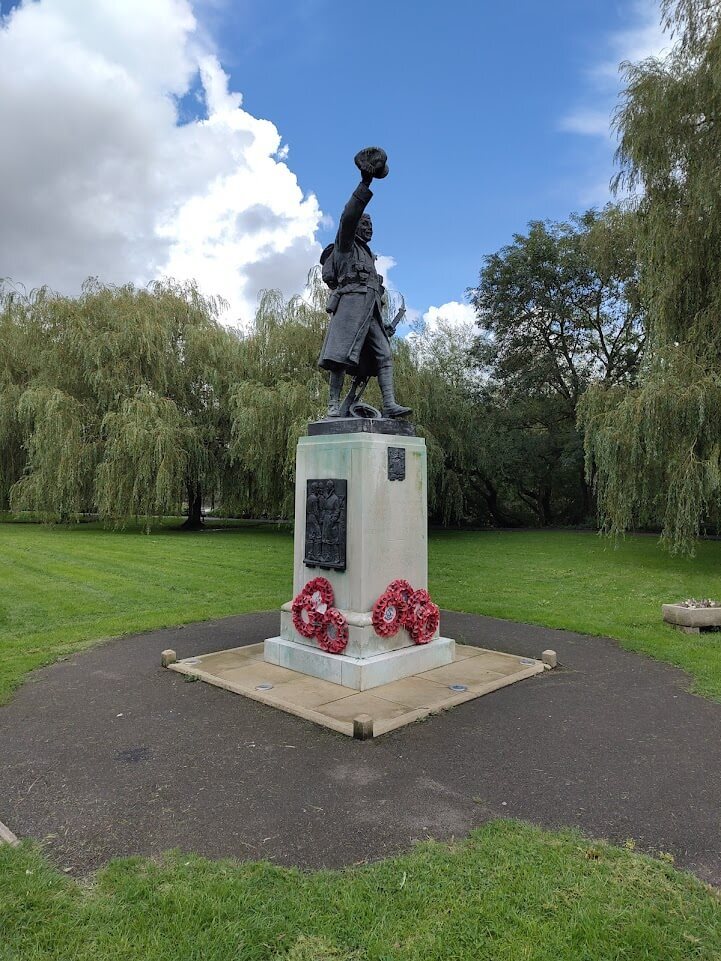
<point x="137" y="403"/>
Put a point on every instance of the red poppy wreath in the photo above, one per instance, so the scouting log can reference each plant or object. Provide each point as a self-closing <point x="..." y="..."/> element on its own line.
<point x="422" y="617"/>
<point x="306" y="619"/>
<point x="387" y="614"/>
<point x="310" y="606"/>
<point x="332" y="634"/>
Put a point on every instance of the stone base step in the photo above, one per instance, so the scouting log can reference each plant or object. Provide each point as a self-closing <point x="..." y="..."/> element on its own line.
<point x="360" y="674"/>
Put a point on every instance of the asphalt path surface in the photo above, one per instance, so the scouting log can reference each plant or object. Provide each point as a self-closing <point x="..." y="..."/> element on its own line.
<point x="106" y="754"/>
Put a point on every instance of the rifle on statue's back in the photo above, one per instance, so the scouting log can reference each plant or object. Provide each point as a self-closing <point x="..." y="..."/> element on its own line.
<point x="359" y="384"/>
<point x="397" y="319"/>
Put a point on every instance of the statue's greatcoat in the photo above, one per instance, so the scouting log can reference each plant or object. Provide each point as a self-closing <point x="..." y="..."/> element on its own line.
<point x="356" y="303"/>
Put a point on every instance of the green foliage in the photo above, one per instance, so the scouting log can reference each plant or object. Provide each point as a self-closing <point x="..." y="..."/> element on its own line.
<point x="558" y="310"/>
<point x="509" y="891"/>
<point x="115" y="401"/>
<point x="437" y="377"/>
<point x="145" y="462"/>
<point x="131" y="402"/>
<point x="280" y="391"/>
<point x="60" y="445"/>
<point x="559" y="307"/>
<point x="656" y="447"/>
<point x="20" y="341"/>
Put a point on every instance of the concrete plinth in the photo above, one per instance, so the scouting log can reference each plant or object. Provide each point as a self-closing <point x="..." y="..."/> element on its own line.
<point x="359" y="673"/>
<point x="383" y="479"/>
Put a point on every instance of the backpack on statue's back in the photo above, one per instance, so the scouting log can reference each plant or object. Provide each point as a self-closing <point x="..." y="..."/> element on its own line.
<point x="327" y="262"/>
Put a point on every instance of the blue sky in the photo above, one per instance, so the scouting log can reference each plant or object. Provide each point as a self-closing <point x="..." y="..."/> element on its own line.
<point x="492" y="115"/>
<point x="467" y="98"/>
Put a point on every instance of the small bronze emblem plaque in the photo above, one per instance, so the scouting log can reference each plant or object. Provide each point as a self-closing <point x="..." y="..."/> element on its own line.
<point x="396" y="463"/>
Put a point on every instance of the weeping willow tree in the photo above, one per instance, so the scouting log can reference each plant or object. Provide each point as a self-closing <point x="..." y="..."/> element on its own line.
<point x="146" y="457"/>
<point x="655" y="451"/>
<point x="20" y="342"/>
<point x="116" y="402"/>
<point x="132" y="402"/>
<point x="280" y="389"/>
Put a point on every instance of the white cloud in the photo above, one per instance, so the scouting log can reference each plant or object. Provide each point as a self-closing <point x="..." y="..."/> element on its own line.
<point x="448" y="331"/>
<point x="591" y="116"/>
<point x="452" y="314"/>
<point x="587" y="122"/>
<point x="98" y="177"/>
<point x="384" y="265"/>
<point x="644" y="37"/>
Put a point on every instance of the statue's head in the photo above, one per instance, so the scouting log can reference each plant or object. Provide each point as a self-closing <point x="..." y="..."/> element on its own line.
<point x="364" y="230"/>
<point x="330" y="487"/>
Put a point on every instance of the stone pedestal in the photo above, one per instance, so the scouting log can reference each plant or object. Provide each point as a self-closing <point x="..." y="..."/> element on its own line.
<point x="379" y="479"/>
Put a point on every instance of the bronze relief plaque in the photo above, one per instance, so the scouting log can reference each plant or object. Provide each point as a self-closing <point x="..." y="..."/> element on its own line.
<point x="326" y="522"/>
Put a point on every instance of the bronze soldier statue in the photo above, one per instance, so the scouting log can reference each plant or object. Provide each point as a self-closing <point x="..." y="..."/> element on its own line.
<point x="357" y="340"/>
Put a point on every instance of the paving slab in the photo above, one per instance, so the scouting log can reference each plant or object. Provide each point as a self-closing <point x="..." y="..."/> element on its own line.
<point x="107" y="754"/>
<point x="475" y="673"/>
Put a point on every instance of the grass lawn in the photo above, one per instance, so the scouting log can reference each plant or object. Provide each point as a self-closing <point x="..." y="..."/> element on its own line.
<point x="580" y="582"/>
<point x="65" y="588"/>
<point x="508" y="893"/>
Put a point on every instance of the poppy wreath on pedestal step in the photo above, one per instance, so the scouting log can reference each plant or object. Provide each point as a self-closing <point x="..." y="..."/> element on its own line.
<point x="319" y="590"/>
<point x="400" y="606"/>
<point x="402" y="590"/>
<point x="306" y="619"/>
<point x="310" y="606"/>
<point x="313" y="616"/>
<point x="332" y="634"/>
<point x="422" y="617"/>
<point x="387" y="614"/>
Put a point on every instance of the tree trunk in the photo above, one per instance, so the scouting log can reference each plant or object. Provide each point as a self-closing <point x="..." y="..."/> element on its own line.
<point x="588" y="505"/>
<point x="195" y="509"/>
<point x="539" y="501"/>
<point x="499" y="515"/>
<point x="544" y="504"/>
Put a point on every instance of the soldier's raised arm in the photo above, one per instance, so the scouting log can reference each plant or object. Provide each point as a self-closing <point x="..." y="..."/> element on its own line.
<point x="372" y="162"/>
<point x="352" y="213"/>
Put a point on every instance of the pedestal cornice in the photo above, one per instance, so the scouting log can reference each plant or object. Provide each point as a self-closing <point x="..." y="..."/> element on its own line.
<point x="361" y="425"/>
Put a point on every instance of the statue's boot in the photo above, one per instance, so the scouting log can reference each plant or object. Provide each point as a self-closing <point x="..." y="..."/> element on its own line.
<point x="350" y="398"/>
<point x="390" y="407"/>
<point x="336" y="386"/>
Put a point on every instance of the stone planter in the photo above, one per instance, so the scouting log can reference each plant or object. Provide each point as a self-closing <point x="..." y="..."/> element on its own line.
<point x="692" y="619"/>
